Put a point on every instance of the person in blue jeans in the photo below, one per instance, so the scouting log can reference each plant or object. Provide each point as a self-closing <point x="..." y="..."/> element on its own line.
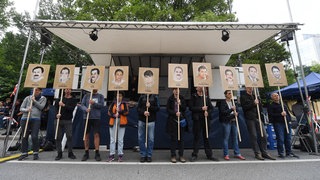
<point x="227" y="116"/>
<point x="276" y="117"/>
<point x="147" y="109"/>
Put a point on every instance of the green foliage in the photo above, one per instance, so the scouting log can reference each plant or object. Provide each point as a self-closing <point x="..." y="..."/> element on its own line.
<point x="315" y="68"/>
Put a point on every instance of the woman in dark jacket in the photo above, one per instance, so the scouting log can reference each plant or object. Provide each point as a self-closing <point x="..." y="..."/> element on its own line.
<point x="172" y="124"/>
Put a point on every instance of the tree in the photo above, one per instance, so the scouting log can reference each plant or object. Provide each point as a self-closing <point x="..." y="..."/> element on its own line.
<point x="4" y="15"/>
<point x="315" y="68"/>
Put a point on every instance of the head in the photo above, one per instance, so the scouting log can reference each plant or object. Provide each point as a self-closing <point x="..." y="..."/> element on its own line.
<point x="178" y="73"/>
<point x="199" y="90"/>
<point x="118" y="75"/>
<point x="276" y="72"/>
<point x="228" y="74"/>
<point x="252" y="72"/>
<point x="94" y="75"/>
<point x="148" y="78"/>
<point x="37" y="72"/>
<point x="121" y="95"/>
<point x="227" y="94"/>
<point x="67" y="91"/>
<point x="249" y="90"/>
<point x="202" y="72"/>
<point x="175" y="91"/>
<point x="275" y="97"/>
<point x="64" y="74"/>
<point x="95" y="91"/>
<point x="37" y="92"/>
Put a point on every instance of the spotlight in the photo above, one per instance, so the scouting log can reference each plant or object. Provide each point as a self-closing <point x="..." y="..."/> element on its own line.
<point x="225" y="35"/>
<point x="93" y="34"/>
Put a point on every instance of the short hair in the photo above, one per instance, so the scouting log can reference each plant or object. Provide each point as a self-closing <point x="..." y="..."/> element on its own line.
<point x="38" y="67"/>
<point x="226" y="91"/>
<point x="275" y="67"/>
<point x="120" y="92"/>
<point x="228" y="70"/>
<point x="252" y="67"/>
<point x="95" y="69"/>
<point x="178" y="67"/>
<point x="148" y="73"/>
<point x="118" y="70"/>
<point x="65" y="68"/>
<point x="201" y="67"/>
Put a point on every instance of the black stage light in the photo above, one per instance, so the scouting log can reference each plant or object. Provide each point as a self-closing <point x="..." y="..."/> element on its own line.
<point x="94" y="34"/>
<point x="225" y="35"/>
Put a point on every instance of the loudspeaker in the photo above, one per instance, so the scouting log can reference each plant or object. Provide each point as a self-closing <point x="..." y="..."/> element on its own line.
<point x="286" y="36"/>
<point x="45" y="37"/>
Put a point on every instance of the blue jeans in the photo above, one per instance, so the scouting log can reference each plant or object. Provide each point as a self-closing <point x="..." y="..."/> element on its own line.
<point x="120" y="131"/>
<point x="230" y="128"/>
<point x="283" y="138"/>
<point x="146" y="151"/>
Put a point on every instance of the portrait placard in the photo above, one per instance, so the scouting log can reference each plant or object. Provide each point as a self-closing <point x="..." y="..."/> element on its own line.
<point x="63" y="78"/>
<point x="276" y="74"/>
<point x="37" y="76"/>
<point x="148" y="82"/>
<point x="177" y="75"/>
<point x="118" y="78"/>
<point x="93" y="78"/>
<point x="202" y="75"/>
<point x="252" y="75"/>
<point x="229" y="78"/>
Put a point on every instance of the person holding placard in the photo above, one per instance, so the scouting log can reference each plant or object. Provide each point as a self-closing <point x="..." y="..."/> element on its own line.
<point x="200" y="113"/>
<point x="67" y="105"/>
<point x="118" y="111"/>
<point x="38" y="103"/>
<point x="276" y="117"/>
<point x="147" y="108"/>
<point x="259" y="142"/>
<point x="176" y="107"/>
<point x="227" y="115"/>
<point x="96" y="104"/>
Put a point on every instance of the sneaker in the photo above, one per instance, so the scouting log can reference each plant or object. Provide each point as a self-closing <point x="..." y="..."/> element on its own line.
<point x="226" y="158"/>
<point x="182" y="159"/>
<point x="120" y="158"/>
<point x="292" y="155"/>
<point x="35" y="157"/>
<point x="281" y="156"/>
<point x="213" y="158"/>
<point x="193" y="158"/>
<point x="240" y="157"/>
<point x="111" y="158"/>
<point x="173" y="159"/>
<point x="268" y="156"/>
<point x="85" y="157"/>
<point x="149" y="159"/>
<point x="259" y="157"/>
<point x="22" y="157"/>
<point x="59" y="156"/>
<point x="143" y="159"/>
<point x="71" y="155"/>
<point x="97" y="156"/>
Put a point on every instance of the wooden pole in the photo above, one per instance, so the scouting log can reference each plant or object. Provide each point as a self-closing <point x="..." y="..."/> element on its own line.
<point x="205" y="104"/>
<point x="285" y="117"/>
<point x="58" y="120"/>
<point x="236" y="117"/>
<point x="258" y="110"/>
<point x="29" y="113"/>
<point x="147" y="118"/>
<point x="178" y="100"/>
<point x="117" y="118"/>
<point x="88" y="113"/>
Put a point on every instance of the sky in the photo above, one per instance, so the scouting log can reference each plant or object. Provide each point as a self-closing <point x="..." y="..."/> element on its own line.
<point x="252" y="11"/>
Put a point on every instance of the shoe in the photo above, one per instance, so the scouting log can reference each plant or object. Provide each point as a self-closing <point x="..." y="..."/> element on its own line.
<point x="292" y="155"/>
<point x="213" y="158"/>
<point x="149" y="159"/>
<point x="120" y="158"/>
<point x="281" y="156"/>
<point x="35" y="157"/>
<point x="259" y="157"/>
<point x="85" y="157"/>
<point x="97" y="156"/>
<point x="143" y="159"/>
<point x="22" y="157"/>
<point x="111" y="158"/>
<point x="5" y="133"/>
<point x="226" y="158"/>
<point x="240" y="157"/>
<point x="71" y="155"/>
<point x="173" y="159"/>
<point x="182" y="159"/>
<point x="193" y="158"/>
<point x="59" y="156"/>
<point x="268" y="156"/>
